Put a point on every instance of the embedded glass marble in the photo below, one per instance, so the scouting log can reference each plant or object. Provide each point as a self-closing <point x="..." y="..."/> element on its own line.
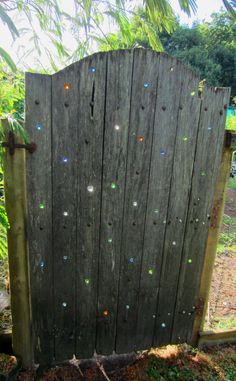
<point x="185" y="138"/>
<point x="174" y="243"/>
<point x="65" y="159"/>
<point x="41" y="264"/>
<point x="109" y="240"/>
<point x="116" y="127"/>
<point x="203" y="173"/>
<point x="65" y="257"/>
<point x="163" y="325"/>
<point x="38" y="127"/>
<point x="131" y="260"/>
<point x="87" y="280"/>
<point x="41" y="205"/>
<point x="189" y="260"/>
<point x="154" y="316"/>
<point x="209" y="128"/>
<point x="192" y="93"/>
<point x="113" y="186"/>
<point x="67" y="86"/>
<point x="162" y="152"/>
<point x="150" y="271"/>
<point x="65" y="214"/>
<point x="156" y="211"/>
<point x="90" y="188"/>
<point x="127" y="307"/>
<point x="146" y="85"/>
<point x="140" y="139"/>
<point x="105" y="313"/>
<point x="92" y="69"/>
<point x="135" y="203"/>
<point x="64" y="304"/>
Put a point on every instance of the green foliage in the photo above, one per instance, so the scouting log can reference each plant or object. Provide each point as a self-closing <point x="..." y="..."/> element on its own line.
<point x="3" y="220"/>
<point x="231" y="122"/>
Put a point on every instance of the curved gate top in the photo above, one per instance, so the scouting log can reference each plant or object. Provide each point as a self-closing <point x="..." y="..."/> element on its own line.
<point x="120" y="192"/>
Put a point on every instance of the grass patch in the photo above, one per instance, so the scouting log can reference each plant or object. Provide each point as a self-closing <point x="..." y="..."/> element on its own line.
<point x="232" y="183"/>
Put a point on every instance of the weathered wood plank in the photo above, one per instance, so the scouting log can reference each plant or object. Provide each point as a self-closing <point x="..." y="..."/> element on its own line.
<point x="15" y="201"/>
<point x="143" y="100"/>
<point x="118" y="90"/>
<point x="206" y="165"/>
<point x="65" y="161"/>
<point x="185" y="141"/>
<point x="91" y="108"/>
<point x="212" y="240"/>
<point x="39" y="230"/>
<point x="171" y="74"/>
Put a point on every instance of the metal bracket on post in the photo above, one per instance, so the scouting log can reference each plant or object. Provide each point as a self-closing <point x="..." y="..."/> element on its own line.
<point x="230" y="140"/>
<point x="12" y="145"/>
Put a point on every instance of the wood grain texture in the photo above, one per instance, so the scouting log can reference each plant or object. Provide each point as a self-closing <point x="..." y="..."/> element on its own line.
<point x="181" y="176"/>
<point x="15" y="201"/>
<point x="206" y="166"/>
<point x="39" y="220"/>
<point x="91" y="108"/>
<point x="118" y="91"/>
<point x="65" y="162"/>
<point x="143" y="101"/>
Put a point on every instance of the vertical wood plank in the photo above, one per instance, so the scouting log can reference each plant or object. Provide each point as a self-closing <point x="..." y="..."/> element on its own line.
<point x="206" y="165"/>
<point x="212" y="240"/>
<point x="65" y="162"/>
<point x="118" y="91"/>
<point x="39" y="223"/>
<point x="143" y="100"/>
<point x="15" y="200"/>
<point x="91" y="107"/>
<point x="184" y="151"/>
<point x="170" y="99"/>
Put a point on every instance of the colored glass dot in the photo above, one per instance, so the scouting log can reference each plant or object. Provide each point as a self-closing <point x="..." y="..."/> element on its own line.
<point x="169" y="314"/>
<point x="67" y="86"/>
<point x="154" y="316"/>
<point x="180" y="221"/>
<point x="113" y="186"/>
<point x="140" y="139"/>
<point x="65" y="257"/>
<point x="87" y="281"/>
<point x="117" y="127"/>
<point x="184" y="312"/>
<point x="38" y="127"/>
<point x="185" y="138"/>
<point x="192" y="93"/>
<point x="203" y="173"/>
<point x="150" y="271"/>
<point x="105" y="313"/>
<point x="131" y="260"/>
<point x="90" y="188"/>
<point x="41" y="206"/>
<point x="41" y="264"/>
<point x="162" y="152"/>
<point x="164" y="222"/>
<point x="163" y="325"/>
<point x="156" y="211"/>
<point x="127" y="307"/>
<point x="209" y="128"/>
<point x="146" y="85"/>
<point x="174" y="243"/>
<point x="203" y="223"/>
<point x="135" y="203"/>
<point x="65" y="159"/>
<point x="65" y="214"/>
<point x="189" y="260"/>
<point x="64" y="304"/>
<point x="109" y="240"/>
<point x="197" y="220"/>
<point x="92" y="69"/>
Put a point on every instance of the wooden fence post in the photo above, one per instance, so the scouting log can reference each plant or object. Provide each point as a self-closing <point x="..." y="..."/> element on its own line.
<point x="212" y="241"/>
<point x="15" y="198"/>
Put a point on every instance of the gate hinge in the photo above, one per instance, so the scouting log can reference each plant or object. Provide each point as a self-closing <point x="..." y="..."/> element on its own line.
<point x="12" y="145"/>
<point x="200" y="306"/>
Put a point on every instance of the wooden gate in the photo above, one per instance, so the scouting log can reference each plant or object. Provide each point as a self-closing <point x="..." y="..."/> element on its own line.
<point x="120" y="191"/>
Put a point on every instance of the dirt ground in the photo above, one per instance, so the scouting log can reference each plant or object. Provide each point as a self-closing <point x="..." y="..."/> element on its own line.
<point x="222" y="302"/>
<point x="171" y="363"/>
